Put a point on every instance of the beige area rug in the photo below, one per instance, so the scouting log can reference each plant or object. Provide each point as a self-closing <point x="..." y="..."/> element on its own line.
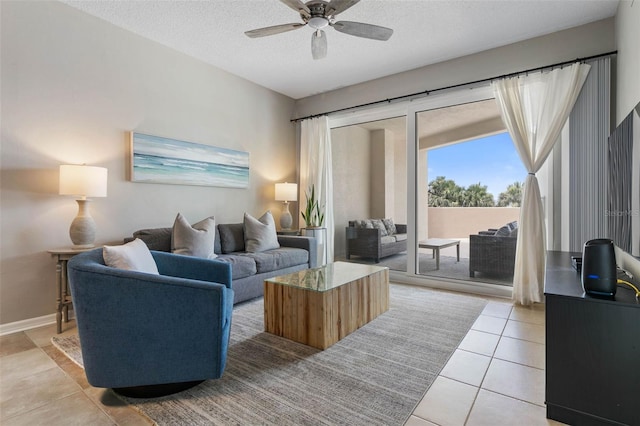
<point x="374" y="376"/>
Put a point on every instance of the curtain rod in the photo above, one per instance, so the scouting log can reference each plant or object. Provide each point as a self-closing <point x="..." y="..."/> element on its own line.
<point x="484" y="80"/>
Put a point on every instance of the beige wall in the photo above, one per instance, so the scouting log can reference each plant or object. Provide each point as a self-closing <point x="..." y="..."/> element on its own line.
<point x="460" y="222"/>
<point x="399" y="213"/>
<point x="351" y="155"/>
<point x="586" y="40"/>
<point x="72" y="86"/>
<point x="382" y="174"/>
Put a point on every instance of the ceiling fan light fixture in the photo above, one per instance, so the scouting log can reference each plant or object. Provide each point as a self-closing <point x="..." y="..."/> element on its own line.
<point x="318" y="22"/>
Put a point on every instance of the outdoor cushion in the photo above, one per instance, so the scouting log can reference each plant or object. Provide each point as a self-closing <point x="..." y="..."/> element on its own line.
<point x="400" y="237"/>
<point x="377" y="223"/>
<point x="388" y="239"/>
<point x="391" y="227"/>
<point x="503" y="231"/>
<point x="272" y="260"/>
<point x="241" y="266"/>
<point x="366" y="223"/>
<point x="231" y="237"/>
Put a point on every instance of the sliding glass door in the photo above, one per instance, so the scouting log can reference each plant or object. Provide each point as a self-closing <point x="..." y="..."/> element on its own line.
<point x="469" y="188"/>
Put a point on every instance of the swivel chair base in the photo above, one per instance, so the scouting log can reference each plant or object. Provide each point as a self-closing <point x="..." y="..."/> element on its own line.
<point x="155" y="391"/>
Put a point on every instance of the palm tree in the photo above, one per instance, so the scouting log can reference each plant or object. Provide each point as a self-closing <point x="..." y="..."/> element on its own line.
<point x="512" y="197"/>
<point x="444" y="192"/>
<point x="476" y="195"/>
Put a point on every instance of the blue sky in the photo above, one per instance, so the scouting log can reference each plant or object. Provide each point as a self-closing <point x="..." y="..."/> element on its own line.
<point x="492" y="161"/>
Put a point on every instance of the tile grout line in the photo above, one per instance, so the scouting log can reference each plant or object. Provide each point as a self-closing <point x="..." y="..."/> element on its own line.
<point x="466" y="420"/>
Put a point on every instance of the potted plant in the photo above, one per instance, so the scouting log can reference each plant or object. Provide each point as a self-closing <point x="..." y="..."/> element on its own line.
<point x="313" y="214"/>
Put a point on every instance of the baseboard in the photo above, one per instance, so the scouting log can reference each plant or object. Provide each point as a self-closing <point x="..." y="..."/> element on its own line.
<point x="484" y="289"/>
<point x="28" y="324"/>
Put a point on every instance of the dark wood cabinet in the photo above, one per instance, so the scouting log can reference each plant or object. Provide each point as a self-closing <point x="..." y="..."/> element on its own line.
<point x="592" y="351"/>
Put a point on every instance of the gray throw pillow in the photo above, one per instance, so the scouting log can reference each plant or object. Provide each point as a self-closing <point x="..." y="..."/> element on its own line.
<point x="231" y="237"/>
<point x="197" y="240"/>
<point x="133" y="256"/>
<point x="260" y="234"/>
<point x="391" y="227"/>
<point x="377" y="223"/>
<point x="503" y="231"/>
<point x="365" y="223"/>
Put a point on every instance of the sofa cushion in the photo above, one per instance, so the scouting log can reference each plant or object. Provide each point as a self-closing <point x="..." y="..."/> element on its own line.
<point x="503" y="231"/>
<point x="155" y="238"/>
<point x="364" y="223"/>
<point x="231" y="237"/>
<point x="280" y="258"/>
<point x="197" y="240"/>
<point x="391" y="227"/>
<point x="388" y="239"/>
<point x="241" y="266"/>
<point x="400" y="237"/>
<point x="260" y="234"/>
<point x="377" y="223"/>
<point x="132" y="256"/>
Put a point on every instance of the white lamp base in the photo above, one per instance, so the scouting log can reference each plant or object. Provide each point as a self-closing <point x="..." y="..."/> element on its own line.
<point x="286" y="220"/>
<point x="83" y="228"/>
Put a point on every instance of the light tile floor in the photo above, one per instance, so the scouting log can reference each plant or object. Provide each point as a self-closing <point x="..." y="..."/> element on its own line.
<point x="495" y="377"/>
<point x="39" y="385"/>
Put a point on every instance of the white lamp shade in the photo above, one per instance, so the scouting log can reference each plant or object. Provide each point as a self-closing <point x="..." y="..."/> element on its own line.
<point x="83" y="181"/>
<point x="286" y="191"/>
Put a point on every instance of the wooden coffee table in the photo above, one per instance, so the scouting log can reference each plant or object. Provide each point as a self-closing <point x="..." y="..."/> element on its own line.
<point x="320" y="306"/>
<point x="439" y="243"/>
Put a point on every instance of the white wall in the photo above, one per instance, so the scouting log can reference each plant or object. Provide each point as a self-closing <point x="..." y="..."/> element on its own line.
<point x="72" y="86"/>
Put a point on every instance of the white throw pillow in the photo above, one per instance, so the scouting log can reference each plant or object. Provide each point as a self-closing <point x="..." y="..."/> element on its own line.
<point x="197" y="240"/>
<point x="133" y="256"/>
<point x="260" y="234"/>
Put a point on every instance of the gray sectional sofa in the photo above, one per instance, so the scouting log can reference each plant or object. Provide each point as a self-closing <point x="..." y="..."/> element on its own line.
<point x="249" y="270"/>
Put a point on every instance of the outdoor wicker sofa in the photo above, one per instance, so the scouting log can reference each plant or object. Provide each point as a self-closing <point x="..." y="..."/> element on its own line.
<point x="375" y="238"/>
<point x="493" y="252"/>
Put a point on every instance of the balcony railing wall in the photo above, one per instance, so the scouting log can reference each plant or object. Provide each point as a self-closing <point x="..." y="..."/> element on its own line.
<point x="460" y="222"/>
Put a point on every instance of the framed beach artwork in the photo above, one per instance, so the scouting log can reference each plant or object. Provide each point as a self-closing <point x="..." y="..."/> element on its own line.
<point x="155" y="159"/>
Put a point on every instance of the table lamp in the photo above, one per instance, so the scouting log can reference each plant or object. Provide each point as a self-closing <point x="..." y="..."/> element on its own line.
<point x="83" y="181"/>
<point x="286" y="192"/>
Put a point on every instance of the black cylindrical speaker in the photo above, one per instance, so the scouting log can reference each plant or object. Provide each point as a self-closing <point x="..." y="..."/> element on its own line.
<point x="599" y="274"/>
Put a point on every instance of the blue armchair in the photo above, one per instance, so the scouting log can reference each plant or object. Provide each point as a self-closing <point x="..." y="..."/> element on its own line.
<point x="148" y="335"/>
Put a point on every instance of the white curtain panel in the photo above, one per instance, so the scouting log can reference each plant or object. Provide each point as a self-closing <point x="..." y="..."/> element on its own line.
<point x="316" y="169"/>
<point x="534" y="109"/>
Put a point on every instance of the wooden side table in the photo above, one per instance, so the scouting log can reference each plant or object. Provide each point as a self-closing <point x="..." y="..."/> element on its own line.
<point x="63" y="302"/>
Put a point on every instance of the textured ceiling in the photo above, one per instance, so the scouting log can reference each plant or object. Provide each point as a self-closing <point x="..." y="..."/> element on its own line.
<point x="425" y="32"/>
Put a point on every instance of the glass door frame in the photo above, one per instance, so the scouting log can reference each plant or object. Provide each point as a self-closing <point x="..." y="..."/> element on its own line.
<point x="410" y="109"/>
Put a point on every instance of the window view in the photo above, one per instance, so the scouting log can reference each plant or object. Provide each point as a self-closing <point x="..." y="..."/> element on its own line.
<point x="471" y="186"/>
<point x="474" y="197"/>
<point x="470" y="182"/>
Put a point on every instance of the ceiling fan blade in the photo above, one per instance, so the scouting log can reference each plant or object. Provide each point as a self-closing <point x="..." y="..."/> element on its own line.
<point x="276" y="29"/>
<point x="359" y="29"/>
<point x="318" y="44"/>
<point x="298" y="6"/>
<point x="339" y="6"/>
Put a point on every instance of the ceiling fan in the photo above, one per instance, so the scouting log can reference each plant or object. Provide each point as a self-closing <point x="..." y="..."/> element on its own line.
<point x="319" y="14"/>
